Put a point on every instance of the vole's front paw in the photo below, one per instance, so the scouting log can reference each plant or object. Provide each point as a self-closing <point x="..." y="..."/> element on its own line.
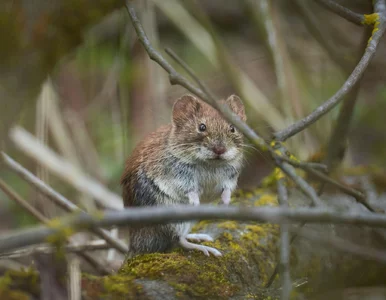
<point x="226" y="196"/>
<point x="194" y="199"/>
<point x="200" y="237"/>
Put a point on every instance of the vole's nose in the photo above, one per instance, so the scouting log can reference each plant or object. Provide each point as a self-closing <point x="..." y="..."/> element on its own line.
<point x="218" y="150"/>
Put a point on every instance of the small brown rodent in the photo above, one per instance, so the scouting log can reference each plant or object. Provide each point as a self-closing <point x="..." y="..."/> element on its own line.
<point x="196" y="158"/>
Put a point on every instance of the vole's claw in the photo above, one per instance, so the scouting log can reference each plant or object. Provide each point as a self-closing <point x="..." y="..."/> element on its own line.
<point x="199" y="237"/>
<point x="214" y="251"/>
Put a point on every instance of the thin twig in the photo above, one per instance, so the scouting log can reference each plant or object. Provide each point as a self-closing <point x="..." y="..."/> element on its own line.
<point x="143" y="216"/>
<point x="303" y="165"/>
<point x="342" y="11"/>
<point x="59" y="200"/>
<point x="284" y="244"/>
<point x="301" y="183"/>
<point x="276" y="270"/>
<point x="346" y="189"/>
<point x="24" y="204"/>
<point x="358" y="72"/>
<point x="96" y="245"/>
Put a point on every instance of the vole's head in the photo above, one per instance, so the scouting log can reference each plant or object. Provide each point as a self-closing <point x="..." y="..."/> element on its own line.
<point x="200" y="133"/>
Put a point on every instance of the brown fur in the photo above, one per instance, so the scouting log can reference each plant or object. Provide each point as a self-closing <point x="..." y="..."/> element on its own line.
<point x="178" y="152"/>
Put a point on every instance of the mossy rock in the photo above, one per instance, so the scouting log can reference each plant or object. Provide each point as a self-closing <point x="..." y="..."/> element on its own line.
<point x="249" y="256"/>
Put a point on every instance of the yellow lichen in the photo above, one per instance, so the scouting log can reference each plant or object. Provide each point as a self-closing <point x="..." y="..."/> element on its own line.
<point x="270" y="180"/>
<point x="228" y="225"/>
<point x="267" y="200"/>
<point x="370" y="19"/>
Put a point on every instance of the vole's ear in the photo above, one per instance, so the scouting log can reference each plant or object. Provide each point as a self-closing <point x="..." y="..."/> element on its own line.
<point x="237" y="106"/>
<point x="185" y="108"/>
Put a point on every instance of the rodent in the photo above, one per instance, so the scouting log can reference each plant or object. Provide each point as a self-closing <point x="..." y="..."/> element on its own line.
<point x="195" y="158"/>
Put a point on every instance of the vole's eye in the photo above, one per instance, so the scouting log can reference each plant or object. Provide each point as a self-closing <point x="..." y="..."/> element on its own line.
<point x="232" y="128"/>
<point x="202" y="127"/>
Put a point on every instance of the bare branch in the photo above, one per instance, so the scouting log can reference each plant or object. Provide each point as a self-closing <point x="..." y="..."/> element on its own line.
<point x="301" y="183"/>
<point x="29" y="251"/>
<point x="342" y="11"/>
<point x="284" y="244"/>
<point x="303" y="165"/>
<point x="24" y="204"/>
<point x="379" y="29"/>
<point x="59" y="200"/>
<point x="75" y="278"/>
<point x="346" y="189"/>
<point x="143" y="216"/>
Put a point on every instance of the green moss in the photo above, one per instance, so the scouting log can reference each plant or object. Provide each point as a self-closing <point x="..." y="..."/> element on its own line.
<point x="194" y="275"/>
<point x="59" y="238"/>
<point x="210" y="277"/>
<point x="122" y="286"/>
<point x="13" y="283"/>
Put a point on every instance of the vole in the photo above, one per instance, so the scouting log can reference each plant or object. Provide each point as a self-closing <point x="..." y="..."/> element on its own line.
<point x="196" y="157"/>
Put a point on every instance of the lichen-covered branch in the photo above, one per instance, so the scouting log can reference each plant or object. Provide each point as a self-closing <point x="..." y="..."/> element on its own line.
<point x="95" y="245"/>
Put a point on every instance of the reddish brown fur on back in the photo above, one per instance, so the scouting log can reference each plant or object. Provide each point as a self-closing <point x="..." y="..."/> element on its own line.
<point x="145" y="155"/>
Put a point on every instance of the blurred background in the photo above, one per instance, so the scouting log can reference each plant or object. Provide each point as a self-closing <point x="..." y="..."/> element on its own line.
<point x="74" y="76"/>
